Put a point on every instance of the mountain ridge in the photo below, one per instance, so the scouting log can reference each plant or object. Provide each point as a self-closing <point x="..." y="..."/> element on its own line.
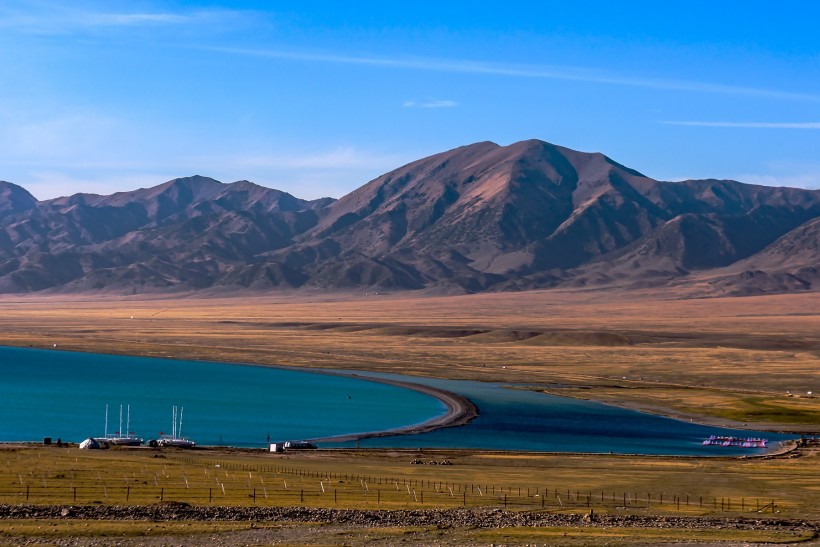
<point x="475" y="218"/>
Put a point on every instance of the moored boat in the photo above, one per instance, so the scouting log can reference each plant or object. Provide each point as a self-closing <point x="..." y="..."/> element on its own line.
<point x="117" y="438"/>
<point x="743" y="442"/>
<point x="175" y="439"/>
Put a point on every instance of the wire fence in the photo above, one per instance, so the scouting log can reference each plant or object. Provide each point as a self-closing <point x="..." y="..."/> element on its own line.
<point x="200" y="481"/>
<point x="408" y="497"/>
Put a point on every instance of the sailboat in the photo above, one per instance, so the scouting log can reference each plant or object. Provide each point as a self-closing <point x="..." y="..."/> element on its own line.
<point x="175" y="438"/>
<point x="117" y="438"/>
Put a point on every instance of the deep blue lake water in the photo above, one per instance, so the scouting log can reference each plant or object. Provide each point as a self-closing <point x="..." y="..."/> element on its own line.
<point x="516" y="419"/>
<point x="64" y="394"/>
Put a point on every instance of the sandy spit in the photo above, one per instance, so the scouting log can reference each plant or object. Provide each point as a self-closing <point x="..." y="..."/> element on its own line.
<point x="460" y="410"/>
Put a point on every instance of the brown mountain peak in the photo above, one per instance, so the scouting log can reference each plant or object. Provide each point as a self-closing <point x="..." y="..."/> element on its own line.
<point x="530" y="214"/>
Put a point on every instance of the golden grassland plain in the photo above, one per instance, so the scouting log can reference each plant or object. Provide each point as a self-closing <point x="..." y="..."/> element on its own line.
<point x="736" y="361"/>
<point x="726" y="360"/>
<point x="385" y="479"/>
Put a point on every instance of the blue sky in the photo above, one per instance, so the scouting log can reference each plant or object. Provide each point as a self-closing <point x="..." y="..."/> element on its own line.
<point x="317" y="98"/>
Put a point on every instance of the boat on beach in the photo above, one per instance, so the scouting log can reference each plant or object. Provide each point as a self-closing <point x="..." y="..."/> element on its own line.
<point x="118" y="438"/>
<point x="175" y="439"/>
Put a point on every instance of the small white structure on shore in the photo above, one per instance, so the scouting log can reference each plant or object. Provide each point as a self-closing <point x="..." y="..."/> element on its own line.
<point x="291" y="445"/>
<point x="90" y="444"/>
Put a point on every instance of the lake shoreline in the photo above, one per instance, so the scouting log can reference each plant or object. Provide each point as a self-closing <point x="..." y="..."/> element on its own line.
<point x="460" y="410"/>
<point x="691" y="417"/>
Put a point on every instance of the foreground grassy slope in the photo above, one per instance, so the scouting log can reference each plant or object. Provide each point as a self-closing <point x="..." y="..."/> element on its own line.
<point x="386" y="479"/>
<point x="638" y="498"/>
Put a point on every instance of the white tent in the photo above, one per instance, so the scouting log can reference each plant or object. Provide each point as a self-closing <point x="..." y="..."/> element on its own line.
<point x="89" y="444"/>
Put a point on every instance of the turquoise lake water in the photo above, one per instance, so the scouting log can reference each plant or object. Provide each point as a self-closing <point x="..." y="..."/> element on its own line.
<point x="63" y="395"/>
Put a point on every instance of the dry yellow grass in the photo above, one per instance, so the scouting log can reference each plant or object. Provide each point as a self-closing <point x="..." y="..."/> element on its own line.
<point x="387" y="480"/>
<point x="723" y="358"/>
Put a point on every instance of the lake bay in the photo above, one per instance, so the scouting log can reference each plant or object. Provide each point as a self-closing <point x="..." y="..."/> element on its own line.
<point x="64" y="394"/>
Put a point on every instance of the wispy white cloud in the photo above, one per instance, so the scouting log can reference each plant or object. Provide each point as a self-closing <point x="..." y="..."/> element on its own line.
<point x="430" y="103"/>
<point x="809" y="181"/>
<point x="131" y="19"/>
<point x="754" y="125"/>
<point x="83" y="150"/>
<point x="54" y="183"/>
<point x="548" y="72"/>
<point x="792" y="174"/>
<point x="345" y="157"/>
<point x="785" y="172"/>
<point x="306" y="173"/>
<point x="46" y="138"/>
<point x="50" y="18"/>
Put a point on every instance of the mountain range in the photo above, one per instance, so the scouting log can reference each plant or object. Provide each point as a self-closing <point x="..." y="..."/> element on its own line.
<point x="481" y="217"/>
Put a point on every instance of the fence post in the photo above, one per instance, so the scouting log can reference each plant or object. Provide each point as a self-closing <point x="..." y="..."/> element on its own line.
<point x="210" y="494"/>
<point x="75" y="493"/>
<point x="128" y="493"/>
<point x="161" y="494"/>
<point x="301" y="496"/>
<point x="27" y="488"/>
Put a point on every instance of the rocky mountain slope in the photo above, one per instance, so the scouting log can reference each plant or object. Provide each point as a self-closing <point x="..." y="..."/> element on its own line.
<point x="479" y="217"/>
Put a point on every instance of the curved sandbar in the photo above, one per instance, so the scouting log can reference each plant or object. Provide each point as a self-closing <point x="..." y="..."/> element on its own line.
<point x="460" y="410"/>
